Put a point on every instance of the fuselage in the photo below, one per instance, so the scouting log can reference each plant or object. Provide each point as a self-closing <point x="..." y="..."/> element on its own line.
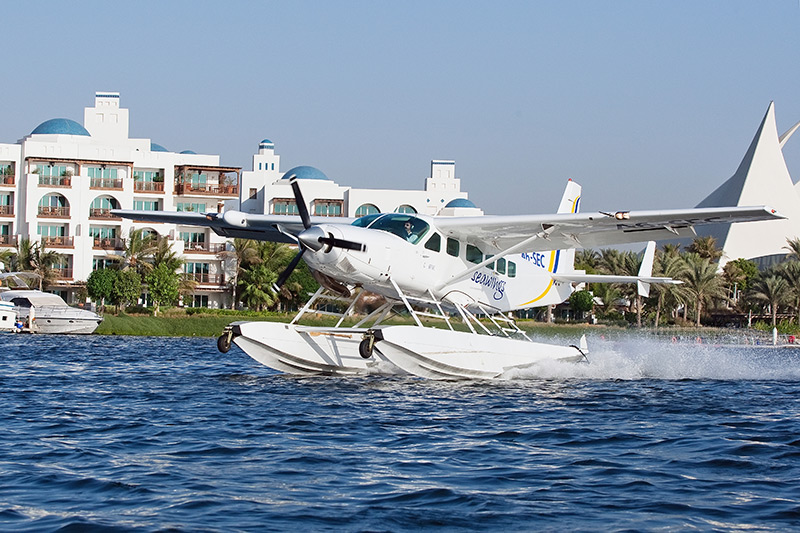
<point x="423" y="262"/>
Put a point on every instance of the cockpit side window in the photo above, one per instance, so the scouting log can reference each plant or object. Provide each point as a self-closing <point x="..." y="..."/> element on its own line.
<point x="474" y="255"/>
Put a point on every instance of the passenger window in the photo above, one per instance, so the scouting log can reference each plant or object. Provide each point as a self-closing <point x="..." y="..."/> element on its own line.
<point x="512" y="269"/>
<point x="501" y="266"/>
<point x="434" y="243"/>
<point x="453" y="247"/>
<point x="490" y="266"/>
<point x="474" y="255"/>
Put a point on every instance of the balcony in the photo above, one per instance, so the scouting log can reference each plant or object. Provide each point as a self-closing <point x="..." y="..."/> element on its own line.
<point x="103" y="214"/>
<point x="62" y="273"/>
<point x="207" y="189"/>
<point x="55" y="181"/>
<point x="53" y="212"/>
<point x="62" y="241"/>
<point x="108" y="243"/>
<point x="8" y="240"/>
<point x="203" y="248"/>
<point x="7" y="180"/>
<point x="149" y="186"/>
<point x="106" y="183"/>
<point x="204" y="278"/>
<point x="6" y="210"/>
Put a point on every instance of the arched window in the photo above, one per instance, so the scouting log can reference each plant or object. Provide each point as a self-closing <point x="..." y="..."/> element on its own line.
<point x="367" y="209"/>
<point x="405" y="208"/>
<point x="53" y="205"/>
<point x="102" y="206"/>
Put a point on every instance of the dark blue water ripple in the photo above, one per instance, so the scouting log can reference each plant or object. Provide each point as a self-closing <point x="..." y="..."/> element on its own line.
<point x="154" y="434"/>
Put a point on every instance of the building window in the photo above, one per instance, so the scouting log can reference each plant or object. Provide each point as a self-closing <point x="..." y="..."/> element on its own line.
<point x="51" y="230"/>
<point x="194" y="207"/>
<point x="102" y="173"/>
<point x="253" y="193"/>
<point x="193" y="238"/>
<point x="198" y="300"/>
<point x="284" y="206"/>
<point x="328" y="208"/>
<point x="102" y="262"/>
<point x="147" y="205"/>
<point x="103" y="232"/>
<point x="367" y="209"/>
<point x="405" y="208"/>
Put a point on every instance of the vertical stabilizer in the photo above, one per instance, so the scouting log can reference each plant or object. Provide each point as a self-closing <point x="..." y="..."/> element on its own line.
<point x="570" y="203"/>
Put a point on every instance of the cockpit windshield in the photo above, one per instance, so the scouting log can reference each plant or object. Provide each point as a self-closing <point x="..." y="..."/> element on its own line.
<point x="405" y="226"/>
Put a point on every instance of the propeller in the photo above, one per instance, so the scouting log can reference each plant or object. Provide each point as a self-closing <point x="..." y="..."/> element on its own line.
<point x="311" y="238"/>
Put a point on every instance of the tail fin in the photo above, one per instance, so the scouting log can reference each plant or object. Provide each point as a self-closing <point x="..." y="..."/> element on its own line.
<point x="571" y="200"/>
<point x="570" y="203"/>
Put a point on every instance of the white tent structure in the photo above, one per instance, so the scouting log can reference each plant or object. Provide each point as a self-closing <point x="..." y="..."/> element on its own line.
<point x="761" y="179"/>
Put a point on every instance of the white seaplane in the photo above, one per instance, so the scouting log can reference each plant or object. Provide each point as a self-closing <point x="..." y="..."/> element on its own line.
<point x="470" y="270"/>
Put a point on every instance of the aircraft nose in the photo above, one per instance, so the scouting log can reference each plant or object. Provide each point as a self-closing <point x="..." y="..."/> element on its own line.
<point x="311" y="238"/>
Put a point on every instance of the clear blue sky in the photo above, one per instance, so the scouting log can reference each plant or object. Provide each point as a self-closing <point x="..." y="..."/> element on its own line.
<point x="647" y="104"/>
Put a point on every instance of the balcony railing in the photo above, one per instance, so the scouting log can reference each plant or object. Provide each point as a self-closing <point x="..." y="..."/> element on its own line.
<point x="53" y="211"/>
<point x="63" y="273"/>
<point x="8" y="240"/>
<point x="55" y="181"/>
<point x="108" y="243"/>
<point x="208" y="189"/>
<point x="102" y="213"/>
<point x="62" y="241"/>
<point x="6" y="210"/>
<point x="203" y="248"/>
<point x="7" y="180"/>
<point x="105" y="183"/>
<point x="204" y="278"/>
<point x="148" y="186"/>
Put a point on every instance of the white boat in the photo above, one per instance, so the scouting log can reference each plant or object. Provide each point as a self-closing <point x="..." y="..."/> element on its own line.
<point x="8" y="317"/>
<point x="44" y="312"/>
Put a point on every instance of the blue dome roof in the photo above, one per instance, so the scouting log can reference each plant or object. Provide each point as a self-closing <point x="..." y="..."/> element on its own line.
<point x="157" y="148"/>
<point x="460" y="202"/>
<point x="60" y="126"/>
<point x="187" y="152"/>
<point x="305" y="173"/>
<point x="266" y="141"/>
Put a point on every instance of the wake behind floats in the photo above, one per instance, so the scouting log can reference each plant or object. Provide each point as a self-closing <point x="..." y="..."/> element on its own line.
<point x="471" y="270"/>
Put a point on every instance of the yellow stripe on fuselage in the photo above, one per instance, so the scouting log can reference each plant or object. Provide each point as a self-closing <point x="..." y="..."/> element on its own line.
<point x="549" y="285"/>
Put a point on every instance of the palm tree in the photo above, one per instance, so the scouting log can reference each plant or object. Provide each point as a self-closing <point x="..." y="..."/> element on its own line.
<point x="790" y="271"/>
<point x="702" y="282"/>
<point x="793" y="245"/>
<point x="22" y="259"/>
<point x="242" y="252"/>
<point x="705" y="247"/>
<point x="163" y="254"/>
<point x="670" y="265"/>
<point x="587" y="260"/>
<point x="139" y="247"/>
<point x="772" y="290"/>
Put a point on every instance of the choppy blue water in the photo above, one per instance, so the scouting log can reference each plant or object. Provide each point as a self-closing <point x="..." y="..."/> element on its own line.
<point x="146" y="434"/>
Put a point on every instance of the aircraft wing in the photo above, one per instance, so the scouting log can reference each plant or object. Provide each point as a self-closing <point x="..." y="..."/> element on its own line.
<point x="592" y="230"/>
<point x="276" y="228"/>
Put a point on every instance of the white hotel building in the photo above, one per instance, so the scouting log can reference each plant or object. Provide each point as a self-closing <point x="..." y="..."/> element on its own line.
<point x="58" y="185"/>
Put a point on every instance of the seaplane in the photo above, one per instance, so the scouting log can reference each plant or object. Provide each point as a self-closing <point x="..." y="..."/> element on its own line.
<point x="458" y="278"/>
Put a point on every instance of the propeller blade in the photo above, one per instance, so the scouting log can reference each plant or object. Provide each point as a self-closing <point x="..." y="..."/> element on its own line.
<point x="302" y="209"/>
<point x="342" y="243"/>
<point x="288" y="271"/>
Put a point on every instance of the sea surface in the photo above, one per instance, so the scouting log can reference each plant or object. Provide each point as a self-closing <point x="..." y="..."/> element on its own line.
<point x="166" y="434"/>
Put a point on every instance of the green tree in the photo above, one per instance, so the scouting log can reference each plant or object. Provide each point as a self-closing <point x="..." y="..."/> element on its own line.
<point x="670" y="264"/>
<point x="581" y="302"/>
<point x="242" y="253"/>
<point x="163" y="286"/>
<point x="738" y="275"/>
<point x="702" y="282"/>
<point x="138" y="252"/>
<point x="705" y="247"/>
<point x="793" y="245"/>
<point x="127" y="289"/>
<point x="100" y="284"/>
<point x="772" y="290"/>
<point x="790" y="271"/>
